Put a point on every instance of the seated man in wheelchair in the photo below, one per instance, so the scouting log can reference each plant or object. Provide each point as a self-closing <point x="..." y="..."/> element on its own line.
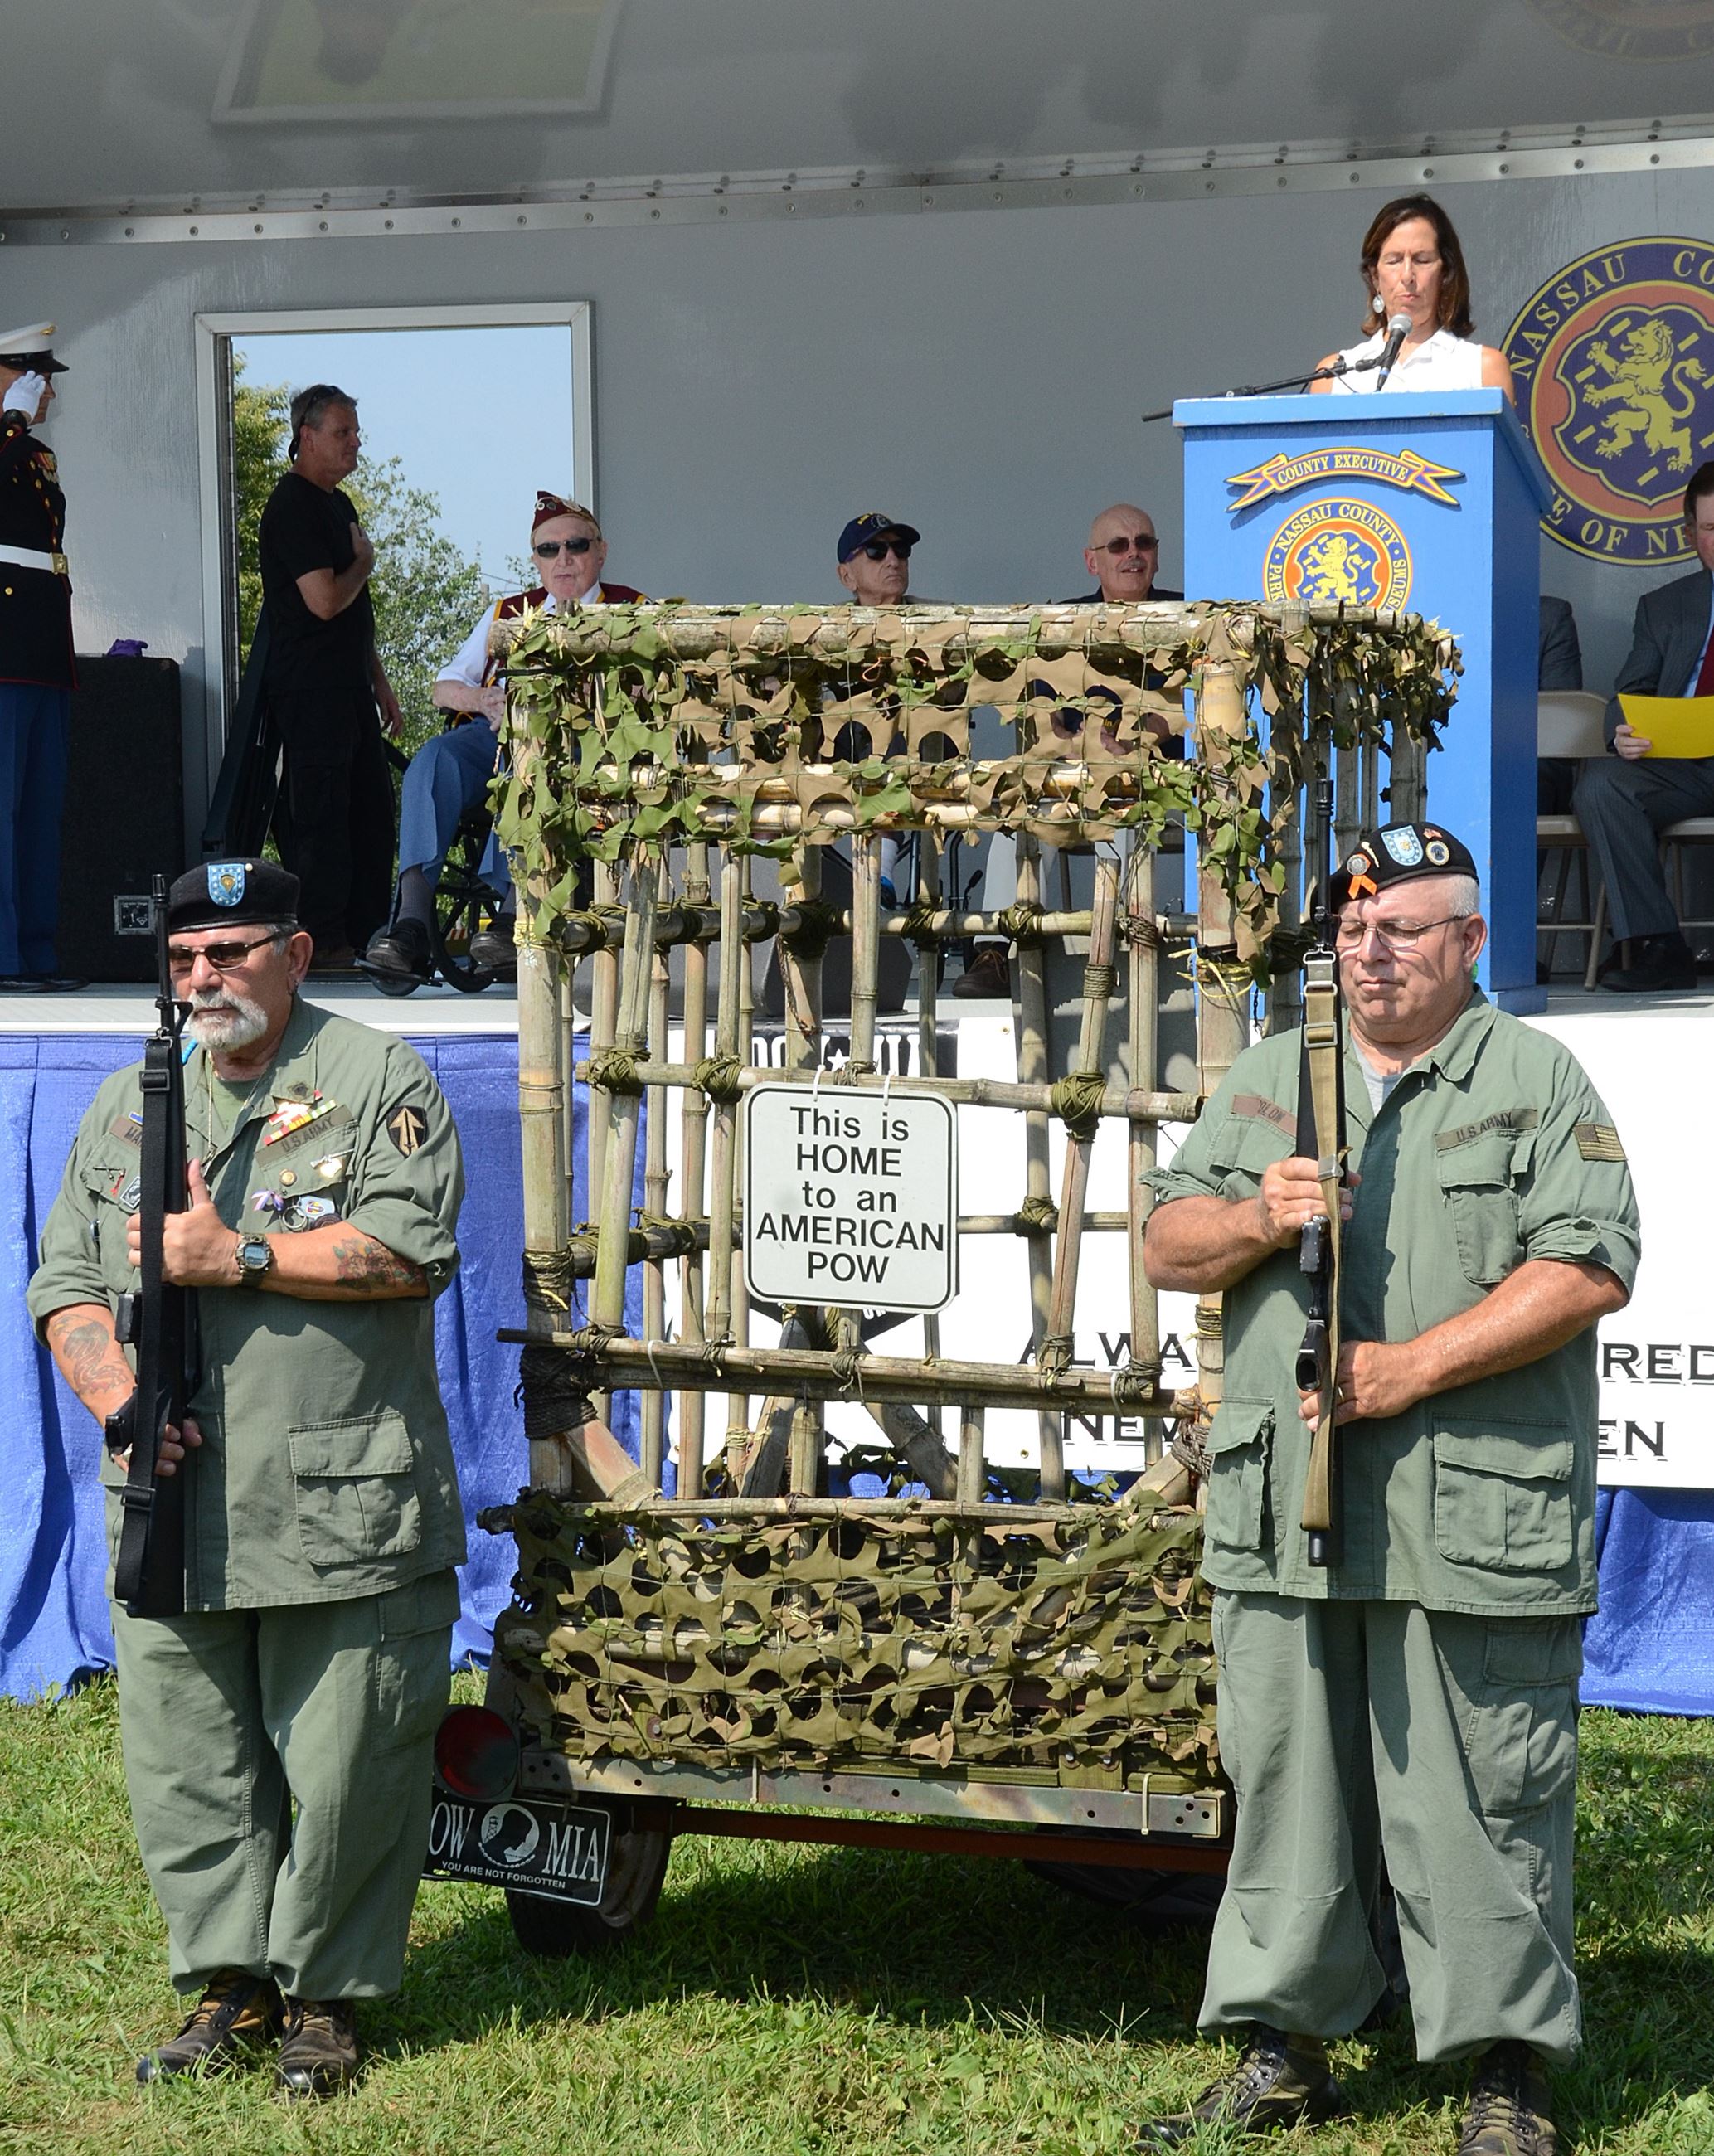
<point x="448" y="776"/>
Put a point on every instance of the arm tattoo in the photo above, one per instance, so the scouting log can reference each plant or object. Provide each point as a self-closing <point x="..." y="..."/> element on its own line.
<point x="89" y="1355"/>
<point x="362" y="1262"/>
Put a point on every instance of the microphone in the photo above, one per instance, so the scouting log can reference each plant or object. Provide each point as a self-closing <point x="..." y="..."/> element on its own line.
<point x="1398" y="329"/>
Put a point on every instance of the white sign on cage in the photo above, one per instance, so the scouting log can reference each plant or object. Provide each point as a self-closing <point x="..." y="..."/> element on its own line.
<point x="850" y="1199"/>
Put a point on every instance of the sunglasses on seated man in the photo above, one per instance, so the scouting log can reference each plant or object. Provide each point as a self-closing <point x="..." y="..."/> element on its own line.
<point x="549" y="548"/>
<point x="1145" y="543"/>
<point x="877" y="550"/>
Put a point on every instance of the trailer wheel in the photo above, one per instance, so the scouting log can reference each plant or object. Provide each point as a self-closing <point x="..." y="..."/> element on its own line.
<point x="634" y="1872"/>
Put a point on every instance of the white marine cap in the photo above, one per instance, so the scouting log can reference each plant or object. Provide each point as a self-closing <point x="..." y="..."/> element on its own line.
<point x="34" y="341"/>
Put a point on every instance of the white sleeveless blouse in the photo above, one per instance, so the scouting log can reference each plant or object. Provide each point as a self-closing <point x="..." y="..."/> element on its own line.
<point x="1442" y="361"/>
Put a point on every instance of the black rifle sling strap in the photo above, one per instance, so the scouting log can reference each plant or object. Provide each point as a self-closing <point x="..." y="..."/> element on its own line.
<point x="137" y="1498"/>
<point x="1322" y="1060"/>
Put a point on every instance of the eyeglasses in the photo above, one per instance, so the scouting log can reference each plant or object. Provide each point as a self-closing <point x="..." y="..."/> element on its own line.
<point x="879" y="549"/>
<point x="221" y="957"/>
<point x="1145" y="543"/>
<point x="550" y="547"/>
<point x="1396" y="935"/>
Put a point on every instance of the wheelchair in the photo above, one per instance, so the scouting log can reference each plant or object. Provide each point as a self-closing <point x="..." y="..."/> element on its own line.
<point x="464" y="900"/>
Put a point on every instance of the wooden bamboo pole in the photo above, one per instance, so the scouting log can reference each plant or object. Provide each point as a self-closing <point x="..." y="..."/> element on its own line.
<point x="693" y="1142"/>
<point x="1124" y="1102"/>
<point x="1074" y="1182"/>
<point x="603" y="1016"/>
<point x="1032" y="1071"/>
<point x="738" y="1403"/>
<point x="865" y="949"/>
<point x="928" y="968"/>
<point x="616" y="1105"/>
<point x="653" y="1451"/>
<point x="1143" y="1042"/>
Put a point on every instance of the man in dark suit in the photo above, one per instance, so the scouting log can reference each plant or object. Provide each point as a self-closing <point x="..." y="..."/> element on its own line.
<point x="1559" y="665"/>
<point x="1623" y="802"/>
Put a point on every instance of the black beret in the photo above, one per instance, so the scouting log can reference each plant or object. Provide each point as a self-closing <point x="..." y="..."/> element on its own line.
<point x="221" y="893"/>
<point x="1400" y="853"/>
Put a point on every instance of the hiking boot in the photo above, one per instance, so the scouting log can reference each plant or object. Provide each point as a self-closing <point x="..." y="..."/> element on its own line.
<point x="318" y="2053"/>
<point x="989" y="973"/>
<point x="494" y="949"/>
<point x="1508" y="2106"/>
<point x="238" y="2013"/>
<point x="401" y="949"/>
<point x="1279" y="2080"/>
<point x="1657" y="962"/>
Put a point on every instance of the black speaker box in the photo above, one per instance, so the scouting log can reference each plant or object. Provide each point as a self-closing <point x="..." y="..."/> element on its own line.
<point x="124" y="821"/>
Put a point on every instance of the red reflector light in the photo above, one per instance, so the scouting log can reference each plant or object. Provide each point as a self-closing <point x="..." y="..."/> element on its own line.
<point x="476" y="1754"/>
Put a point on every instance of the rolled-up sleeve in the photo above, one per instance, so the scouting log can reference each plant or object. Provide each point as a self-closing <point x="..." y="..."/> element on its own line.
<point x="69" y="1267"/>
<point x="1577" y="1204"/>
<point x="411" y="1177"/>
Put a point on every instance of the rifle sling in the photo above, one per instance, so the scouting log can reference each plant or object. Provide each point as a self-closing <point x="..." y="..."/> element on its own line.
<point x="1323" y="1054"/>
<point x="137" y="1498"/>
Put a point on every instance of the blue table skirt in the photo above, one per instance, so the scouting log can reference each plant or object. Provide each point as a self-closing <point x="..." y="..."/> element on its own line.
<point x="54" y="1621"/>
<point x="1651" y="1648"/>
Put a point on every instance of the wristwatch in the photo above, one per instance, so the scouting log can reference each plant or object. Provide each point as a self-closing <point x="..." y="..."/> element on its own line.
<point x="255" y="1257"/>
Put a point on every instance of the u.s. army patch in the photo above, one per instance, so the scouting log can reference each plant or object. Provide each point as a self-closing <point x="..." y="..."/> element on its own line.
<point x="1599" y="1141"/>
<point x="407" y="1128"/>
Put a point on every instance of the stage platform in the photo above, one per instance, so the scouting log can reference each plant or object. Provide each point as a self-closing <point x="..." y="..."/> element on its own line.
<point x="1651" y="1648"/>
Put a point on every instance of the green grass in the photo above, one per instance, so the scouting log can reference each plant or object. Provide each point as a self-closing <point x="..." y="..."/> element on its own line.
<point x="788" y="2001"/>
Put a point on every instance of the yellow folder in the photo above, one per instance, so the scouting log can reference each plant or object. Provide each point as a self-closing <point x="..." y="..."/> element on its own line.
<point x="1673" y="725"/>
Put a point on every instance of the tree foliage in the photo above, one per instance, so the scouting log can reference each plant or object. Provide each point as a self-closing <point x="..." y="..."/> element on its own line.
<point x="426" y="594"/>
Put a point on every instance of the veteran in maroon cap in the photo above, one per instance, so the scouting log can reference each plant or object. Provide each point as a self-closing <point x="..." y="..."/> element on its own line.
<point x="1416" y="1696"/>
<point x="38" y="672"/>
<point x="278" y="1734"/>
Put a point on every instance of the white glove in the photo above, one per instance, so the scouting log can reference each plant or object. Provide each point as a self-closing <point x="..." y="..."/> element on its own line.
<point x="25" y="395"/>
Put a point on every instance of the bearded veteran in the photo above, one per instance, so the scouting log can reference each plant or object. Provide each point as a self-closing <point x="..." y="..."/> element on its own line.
<point x="1419" y="1697"/>
<point x="323" y="1521"/>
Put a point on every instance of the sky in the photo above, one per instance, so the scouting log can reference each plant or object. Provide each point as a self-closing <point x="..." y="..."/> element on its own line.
<point x="417" y="391"/>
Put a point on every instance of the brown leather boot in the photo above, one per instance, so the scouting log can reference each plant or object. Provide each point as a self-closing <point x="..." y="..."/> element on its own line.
<point x="238" y="2013"/>
<point x="1279" y="2080"/>
<point x="318" y="2053"/>
<point x="1508" y="2106"/>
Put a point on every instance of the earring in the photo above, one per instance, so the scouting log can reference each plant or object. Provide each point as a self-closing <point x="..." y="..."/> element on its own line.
<point x="1377" y="303"/>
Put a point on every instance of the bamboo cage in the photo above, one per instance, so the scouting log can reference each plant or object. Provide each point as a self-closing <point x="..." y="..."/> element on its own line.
<point x="753" y="1621"/>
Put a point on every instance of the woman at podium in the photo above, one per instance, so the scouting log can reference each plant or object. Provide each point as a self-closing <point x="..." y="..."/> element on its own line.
<point x="1413" y="273"/>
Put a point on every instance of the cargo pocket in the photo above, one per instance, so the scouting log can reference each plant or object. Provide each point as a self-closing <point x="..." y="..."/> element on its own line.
<point x="412" y="1664"/>
<point x="355" y="1486"/>
<point x="1476" y="1188"/>
<point x="1520" y="1712"/>
<point x="1502" y="1496"/>
<point x="1239" y="1445"/>
<point x="1245" y="1152"/>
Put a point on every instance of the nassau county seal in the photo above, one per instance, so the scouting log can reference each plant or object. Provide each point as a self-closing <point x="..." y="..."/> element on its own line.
<point x="1336" y="549"/>
<point x="1615" y="363"/>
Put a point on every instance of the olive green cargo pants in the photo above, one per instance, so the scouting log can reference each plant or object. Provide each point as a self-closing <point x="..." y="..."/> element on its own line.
<point x="280" y="1765"/>
<point x="1449" y="1741"/>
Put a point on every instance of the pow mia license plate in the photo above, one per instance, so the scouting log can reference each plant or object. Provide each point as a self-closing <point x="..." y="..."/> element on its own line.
<point x="559" y="1850"/>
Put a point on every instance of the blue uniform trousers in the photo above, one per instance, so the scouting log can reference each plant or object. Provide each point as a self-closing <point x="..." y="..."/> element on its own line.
<point x="34" y="724"/>
<point x="446" y="779"/>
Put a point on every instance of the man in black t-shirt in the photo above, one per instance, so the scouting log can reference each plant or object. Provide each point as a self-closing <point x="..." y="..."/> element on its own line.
<point x="325" y="681"/>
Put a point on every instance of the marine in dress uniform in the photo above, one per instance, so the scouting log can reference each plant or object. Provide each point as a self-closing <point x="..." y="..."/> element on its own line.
<point x="1419" y="1695"/>
<point x="310" y="1669"/>
<point x="38" y="671"/>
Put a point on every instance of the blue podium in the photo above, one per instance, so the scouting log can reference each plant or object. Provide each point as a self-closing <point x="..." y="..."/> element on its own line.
<point x="1429" y="501"/>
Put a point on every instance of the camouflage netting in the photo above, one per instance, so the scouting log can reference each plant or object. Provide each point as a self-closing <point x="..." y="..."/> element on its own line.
<point x="1074" y="1650"/>
<point x="659" y="724"/>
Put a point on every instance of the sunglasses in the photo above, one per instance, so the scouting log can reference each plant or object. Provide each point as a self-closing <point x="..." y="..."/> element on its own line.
<point x="221" y="957"/>
<point x="550" y="547"/>
<point x="879" y="549"/>
<point x="1143" y="544"/>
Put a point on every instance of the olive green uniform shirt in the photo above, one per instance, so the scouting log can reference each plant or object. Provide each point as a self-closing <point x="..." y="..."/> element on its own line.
<point x="325" y="1470"/>
<point x="1492" y="1149"/>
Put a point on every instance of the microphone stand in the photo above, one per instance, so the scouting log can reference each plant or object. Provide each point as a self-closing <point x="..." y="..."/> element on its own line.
<point x="1290" y="382"/>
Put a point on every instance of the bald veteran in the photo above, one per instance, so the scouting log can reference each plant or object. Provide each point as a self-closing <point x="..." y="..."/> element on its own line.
<point x="322" y="1515"/>
<point x="1419" y="1697"/>
<point x="38" y="672"/>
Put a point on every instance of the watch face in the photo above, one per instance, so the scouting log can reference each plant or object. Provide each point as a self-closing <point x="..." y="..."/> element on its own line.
<point x="255" y="1256"/>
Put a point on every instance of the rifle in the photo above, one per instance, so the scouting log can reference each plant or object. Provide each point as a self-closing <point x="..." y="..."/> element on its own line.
<point x="159" y="1321"/>
<point x="1321" y="1108"/>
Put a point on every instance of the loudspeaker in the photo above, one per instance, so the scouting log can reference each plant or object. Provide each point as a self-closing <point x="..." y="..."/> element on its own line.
<point x="124" y="821"/>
